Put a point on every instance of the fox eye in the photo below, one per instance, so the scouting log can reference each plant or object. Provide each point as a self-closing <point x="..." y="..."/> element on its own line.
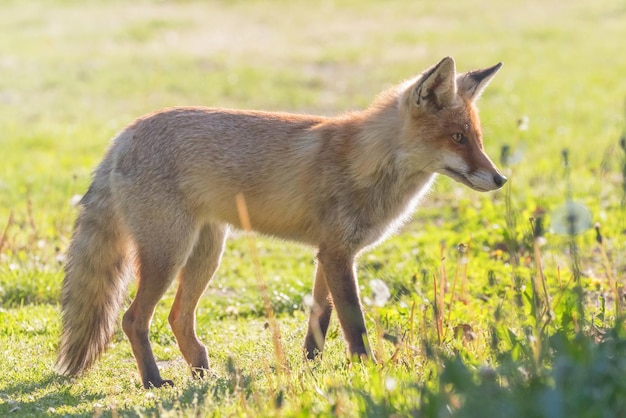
<point x="459" y="138"/>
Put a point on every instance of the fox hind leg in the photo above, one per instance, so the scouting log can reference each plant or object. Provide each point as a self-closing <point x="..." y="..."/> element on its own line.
<point x="193" y="280"/>
<point x="161" y="253"/>
<point x="320" y="315"/>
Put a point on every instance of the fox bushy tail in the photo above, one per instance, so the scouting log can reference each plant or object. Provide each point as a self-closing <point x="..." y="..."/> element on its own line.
<point x="95" y="278"/>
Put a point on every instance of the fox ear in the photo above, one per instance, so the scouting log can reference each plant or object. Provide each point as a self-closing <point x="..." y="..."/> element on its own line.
<point x="473" y="83"/>
<point x="437" y="86"/>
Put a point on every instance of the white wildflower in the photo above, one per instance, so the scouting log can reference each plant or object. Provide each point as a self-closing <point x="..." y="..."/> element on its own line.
<point x="381" y="292"/>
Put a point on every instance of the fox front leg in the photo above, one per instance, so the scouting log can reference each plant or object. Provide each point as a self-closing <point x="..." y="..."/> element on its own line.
<point x="339" y="270"/>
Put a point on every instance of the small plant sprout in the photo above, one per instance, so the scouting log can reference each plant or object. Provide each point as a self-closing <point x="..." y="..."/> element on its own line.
<point x="505" y="155"/>
<point x="462" y="263"/>
<point x="380" y="296"/>
<point x="541" y="308"/>
<point x="282" y="366"/>
<point x="622" y="144"/>
<point x="571" y="219"/>
<point x="607" y="264"/>
<point x="510" y="156"/>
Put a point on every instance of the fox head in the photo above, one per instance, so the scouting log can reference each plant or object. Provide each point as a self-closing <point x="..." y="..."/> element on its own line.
<point x="442" y="127"/>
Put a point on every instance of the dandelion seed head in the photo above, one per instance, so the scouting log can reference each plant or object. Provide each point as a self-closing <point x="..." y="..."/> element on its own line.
<point x="307" y="300"/>
<point x="571" y="218"/>
<point x="381" y="292"/>
<point x="75" y="200"/>
<point x="522" y="123"/>
<point x="390" y="383"/>
<point x="510" y="157"/>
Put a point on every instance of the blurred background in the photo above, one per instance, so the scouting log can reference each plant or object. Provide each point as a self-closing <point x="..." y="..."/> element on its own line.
<point x="73" y="73"/>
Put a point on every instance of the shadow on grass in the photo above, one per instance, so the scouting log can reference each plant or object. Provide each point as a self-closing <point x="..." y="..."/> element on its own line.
<point x="50" y="394"/>
<point x="41" y="397"/>
<point x="199" y="398"/>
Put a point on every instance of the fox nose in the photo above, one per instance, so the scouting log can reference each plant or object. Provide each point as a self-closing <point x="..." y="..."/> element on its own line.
<point x="499" y="179"/>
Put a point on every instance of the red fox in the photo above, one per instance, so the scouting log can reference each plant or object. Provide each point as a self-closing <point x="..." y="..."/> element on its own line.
<point x="163" y="199"/>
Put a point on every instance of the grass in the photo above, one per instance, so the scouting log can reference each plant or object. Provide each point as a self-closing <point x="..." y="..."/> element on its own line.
<point x="522" y="323"/>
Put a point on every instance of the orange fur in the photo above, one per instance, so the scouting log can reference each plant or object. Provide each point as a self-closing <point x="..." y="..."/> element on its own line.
<point x="164" y="195"/>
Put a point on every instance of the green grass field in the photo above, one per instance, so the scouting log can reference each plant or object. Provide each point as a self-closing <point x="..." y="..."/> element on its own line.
<point x="495" y="309"/>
